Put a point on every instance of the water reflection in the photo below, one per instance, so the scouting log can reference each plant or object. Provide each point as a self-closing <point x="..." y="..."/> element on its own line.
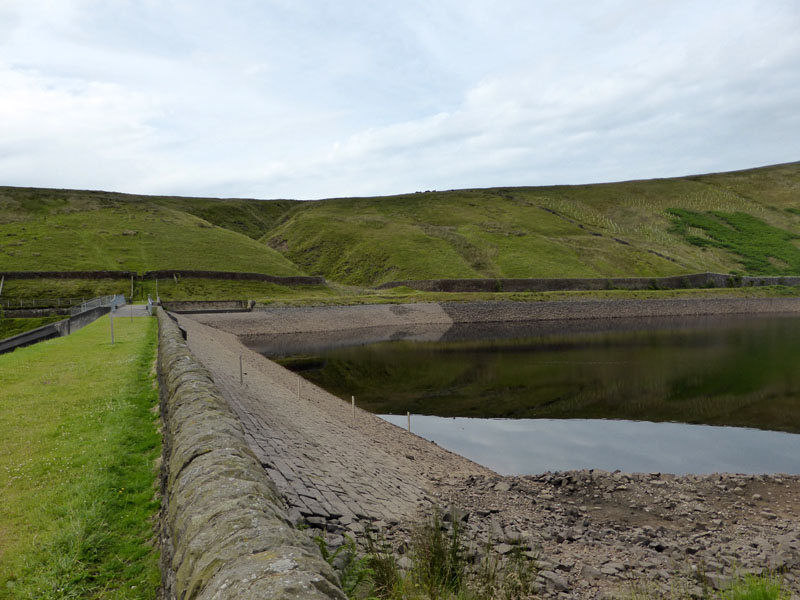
<point x="526" y="446"/>
<point x="723" y="371"/>
<point x="612" y="394"/>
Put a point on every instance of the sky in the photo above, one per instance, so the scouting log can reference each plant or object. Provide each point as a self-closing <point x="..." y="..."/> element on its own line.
<point x="316" y="98"/>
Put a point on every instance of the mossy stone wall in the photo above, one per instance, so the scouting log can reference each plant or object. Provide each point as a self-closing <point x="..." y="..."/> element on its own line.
<point x="225" y="531"/>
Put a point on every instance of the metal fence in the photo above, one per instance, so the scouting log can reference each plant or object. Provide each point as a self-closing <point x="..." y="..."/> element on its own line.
<point x="112" y="301"/>
<point x="12" y="303"/>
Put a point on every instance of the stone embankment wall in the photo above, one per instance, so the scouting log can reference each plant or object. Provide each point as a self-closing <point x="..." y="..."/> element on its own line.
<point x="697" y="280"/>
<point x="225" y="532"/>
<point x="235" y="275"/>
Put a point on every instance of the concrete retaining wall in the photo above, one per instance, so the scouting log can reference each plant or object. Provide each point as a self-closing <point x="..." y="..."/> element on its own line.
<point x="33" y="336"/>
<point x="225" y="530"/>
<point x="53" y="330"/>
<point x="201" y="306"/>
<point x="696" y="280"/>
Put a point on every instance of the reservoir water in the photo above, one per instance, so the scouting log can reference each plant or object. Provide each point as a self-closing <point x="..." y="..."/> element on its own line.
<point x="691" y="395"/>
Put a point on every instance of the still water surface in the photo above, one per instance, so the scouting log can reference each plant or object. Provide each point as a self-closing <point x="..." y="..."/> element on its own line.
<point x="560" y="398"/>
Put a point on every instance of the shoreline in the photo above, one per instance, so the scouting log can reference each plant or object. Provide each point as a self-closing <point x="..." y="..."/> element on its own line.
<point x="325" y="318"/>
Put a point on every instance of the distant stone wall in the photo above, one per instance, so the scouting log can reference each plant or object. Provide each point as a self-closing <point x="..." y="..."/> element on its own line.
<point x="166" y="273"/>
<point x="68" y="274"/>
<point x="289" y="280"/>
<point x="696" y="280"/>
<point x="225" y="531"/>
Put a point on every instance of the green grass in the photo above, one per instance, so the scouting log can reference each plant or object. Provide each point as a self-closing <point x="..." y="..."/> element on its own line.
<point x="12" y="327"/>
<point x="78" y="443"/>
<point x="198" y="288"/>
<point x="76" y="289"/>
<point x="764" y="249"/>
<point x="749" y="587"/>
<point x="440" y="569"/>
<point x="603" y="230"/>
<point x="616" y="229"/>
<point x="343" y="296"/>
<point x="755" y="588"/>
<point x="133" y="236"/>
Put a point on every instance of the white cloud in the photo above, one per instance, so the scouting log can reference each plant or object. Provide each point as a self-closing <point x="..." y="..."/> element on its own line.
<point x="281" y="99"/>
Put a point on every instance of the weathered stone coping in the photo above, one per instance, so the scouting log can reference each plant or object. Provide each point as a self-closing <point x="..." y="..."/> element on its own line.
<point x="225" y="531"/>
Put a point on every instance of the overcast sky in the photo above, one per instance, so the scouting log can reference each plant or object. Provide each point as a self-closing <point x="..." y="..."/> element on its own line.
<point x="314" y="98"/>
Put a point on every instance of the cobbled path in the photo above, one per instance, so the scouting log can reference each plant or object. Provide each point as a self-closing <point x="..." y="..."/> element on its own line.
<point x="335" y="470"/>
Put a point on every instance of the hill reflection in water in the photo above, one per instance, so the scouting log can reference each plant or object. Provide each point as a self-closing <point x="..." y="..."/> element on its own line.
<point x="736" y="371"/>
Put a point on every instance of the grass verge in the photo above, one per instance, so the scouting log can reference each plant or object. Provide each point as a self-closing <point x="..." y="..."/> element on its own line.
<point x="78" y="442"/>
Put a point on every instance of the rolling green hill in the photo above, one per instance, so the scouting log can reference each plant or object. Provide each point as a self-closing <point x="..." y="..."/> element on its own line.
<point x="69" y="230"/>
<point x="743" y="222"/>
<point x="747" y="221"/>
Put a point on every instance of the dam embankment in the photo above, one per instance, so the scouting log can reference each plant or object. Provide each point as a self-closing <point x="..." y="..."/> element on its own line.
<point x="225" y="531"/>
<point x="250" y="450"/>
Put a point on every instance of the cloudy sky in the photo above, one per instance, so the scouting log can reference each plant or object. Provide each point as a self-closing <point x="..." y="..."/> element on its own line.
<point x="318" y="98"/>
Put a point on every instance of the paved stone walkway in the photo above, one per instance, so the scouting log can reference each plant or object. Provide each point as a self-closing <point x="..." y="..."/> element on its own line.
<point x="131" y="310"/>
<point x="333" y="469"/>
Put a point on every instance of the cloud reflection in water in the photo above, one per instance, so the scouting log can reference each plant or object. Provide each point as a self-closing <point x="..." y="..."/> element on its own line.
<point x="528" y="446"/>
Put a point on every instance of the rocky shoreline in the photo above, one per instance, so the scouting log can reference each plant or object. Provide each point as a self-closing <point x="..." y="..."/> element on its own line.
<point x="594" y="534"/>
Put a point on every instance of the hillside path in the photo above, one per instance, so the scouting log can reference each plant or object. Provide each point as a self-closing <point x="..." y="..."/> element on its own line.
<point x="332" y="468"/>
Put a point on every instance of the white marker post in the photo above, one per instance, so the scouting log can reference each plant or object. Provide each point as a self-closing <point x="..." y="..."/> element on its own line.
<point x="353" y="402"/>
<point x="408" y="414"/>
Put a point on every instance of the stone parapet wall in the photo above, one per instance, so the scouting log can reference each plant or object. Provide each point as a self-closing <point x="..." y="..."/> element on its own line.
<point x="225" y="531"/>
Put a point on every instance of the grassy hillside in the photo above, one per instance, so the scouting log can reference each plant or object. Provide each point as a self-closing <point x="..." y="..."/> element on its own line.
<point x="744" y="222"/>
<point x="747" y="221"/>
<point x="63" y="230"/>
